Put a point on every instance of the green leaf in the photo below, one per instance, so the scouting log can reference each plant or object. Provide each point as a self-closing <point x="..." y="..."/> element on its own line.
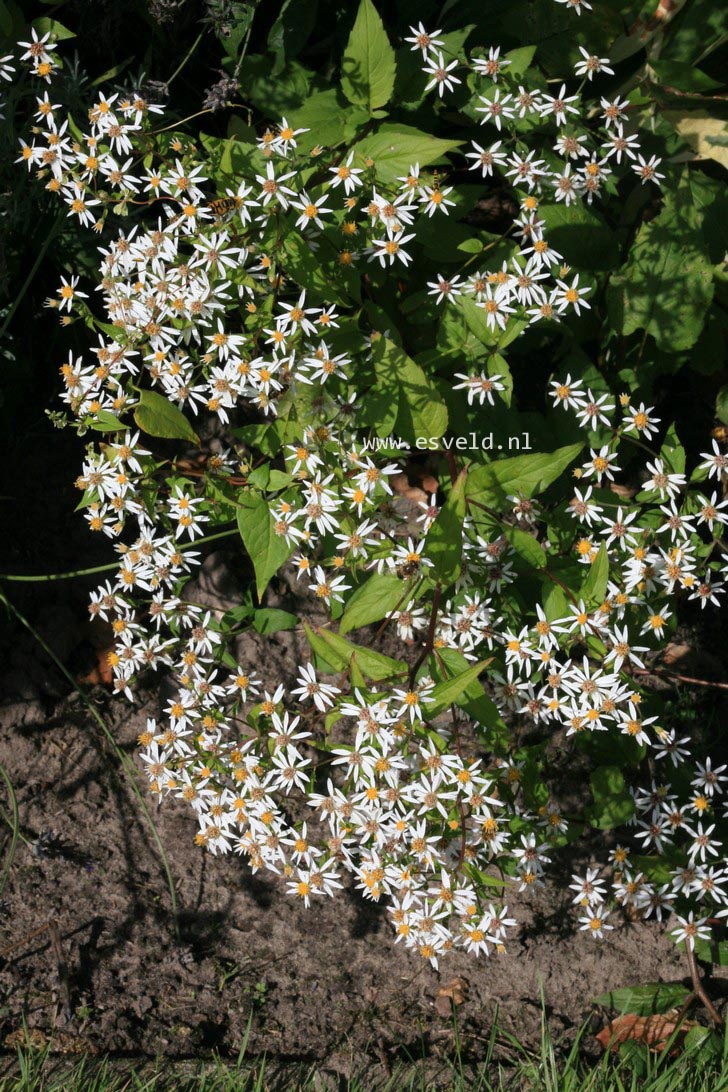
<point x="721" y="405"/>
<point x="291" y="30"/>
<point x="105" y="421"/>
<point x="325" y="659"/>
<point x="156" y="416"/>
<point x="594" y="588"/>
<point x="682" y="76"/>
<point x="316" y="272"/>
<point x="527" y="547"/>
<point x="373" y="665"/>
<point x="368" y="67"/>
<point x="444" y="545"/>
<point x="267" y="550"/>
<point x="712" y="951"/>
<point x="329" y="119"/>
<point x="528" y="475"/>
<point x="274" y="94"/>
<point x="652" y="997"/>
<point x="477" y="322"/>
<point x="667" y="284"/>
<point x="233" y="35"/>
<point x="519" y="60"/>
<point x="580" y="234"/>
<point x="373" y="600"/>
<point x="613" y="804"/>
<point x="672" y="452"/>
<point x="44" y="24"/>
<point x="474" y="699"/>
<point x="271" y="620"/>
<point x="394" y="148"/>
<point x="452" y="690"/>
<point x="422" y="412"/>
<point x="555" y="601"/>
<point x="703" y="1042"/>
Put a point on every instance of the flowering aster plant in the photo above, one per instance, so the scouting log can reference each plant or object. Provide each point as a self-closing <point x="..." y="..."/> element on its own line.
<point x="309" y="305"/>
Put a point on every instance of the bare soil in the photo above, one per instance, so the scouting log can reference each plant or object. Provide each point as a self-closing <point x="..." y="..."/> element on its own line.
<point x="115" y="973"/>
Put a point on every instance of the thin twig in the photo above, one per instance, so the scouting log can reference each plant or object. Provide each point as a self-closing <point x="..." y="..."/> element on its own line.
<point x="55" y="934"/>
<point x="20" y="578"/>
<point x="23" y="941"/>
<point x="699" y="988"/>
<point x="680" y="678"/>
<point x="429" y="642"/>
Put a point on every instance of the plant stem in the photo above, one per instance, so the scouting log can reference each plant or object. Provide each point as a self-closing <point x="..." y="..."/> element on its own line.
<point x="186" y="58"/>
<point x="14" y="825"/>
<point x="20" y="578"/>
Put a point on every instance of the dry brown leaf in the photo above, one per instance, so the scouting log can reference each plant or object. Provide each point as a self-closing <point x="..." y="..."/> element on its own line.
<point x="401" y="486"/>
<point x="59" y="1042"/>
<point x="456" y="992"/>
<point x="101" y="674"/>
<point x="705" y="134"/>
<point x="26" y="1039"/>
<point x="675" y="652"/>
<point x="654" y="1031"/>
<point x="624" y="491"/>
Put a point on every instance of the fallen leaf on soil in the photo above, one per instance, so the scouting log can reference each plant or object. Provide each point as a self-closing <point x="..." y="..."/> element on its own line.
<point x="654" y="1031"/>
<point x="59" y="1042"/>
<point x="456" y="992"/>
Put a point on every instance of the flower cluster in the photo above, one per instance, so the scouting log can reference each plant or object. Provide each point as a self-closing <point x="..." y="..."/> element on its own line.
<point x="417" y="785"/>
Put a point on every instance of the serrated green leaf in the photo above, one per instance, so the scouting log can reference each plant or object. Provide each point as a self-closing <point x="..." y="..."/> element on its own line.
<point x="373" y="600"/>
<point x="444" y="544"/>
<point x="452" y="690"/>
<point x="613" y="805"/>
<point x="527" y="547"/>
<point x="528" y="475"/>
<point x="580" y="234"/>
<point x="666" y="286"/>
<point x="394" y="148"/>
<point x="267" y="550"/>
<point x="105" y="421"/>
<point x="330" y="120"/>
<point x="271" y="620"/>
<point x="721" y="405"/>
<point x="594" y="588"/>
<point x="156" y="416"/>
<point x="712" y="951"/>
<point x="373" y="665"/>
<point x="652" y="997"/>
<point x="44" y="25"/>
<point x="368" y="67"/>
<point x="421" y="412"/>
